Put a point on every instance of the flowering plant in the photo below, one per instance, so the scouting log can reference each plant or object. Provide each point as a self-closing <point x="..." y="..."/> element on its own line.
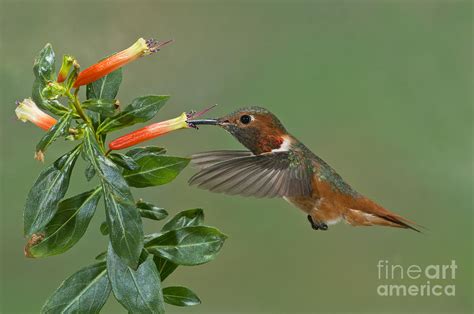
<point x="134" y="265"/>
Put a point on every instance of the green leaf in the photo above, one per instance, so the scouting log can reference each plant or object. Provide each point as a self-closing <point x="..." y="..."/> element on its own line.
<point x="180" y="296"/>
<point x="104" y="228"/>
<point x="106" y="87"/>
<point x="124" y="224"/>
<point x="89" y="172"/>
<point x="53" y="90"/>
<point x="123" y="220"/>
<point x="138" y="152"/>
<point x="124" y="161"/>
<point x="86" y="291"/>
<point x="101" y="256"/>
<point x="68" y="224"/>
<point x="151" y="211"/>
<point x="155" y="170"/>
<point x="139" y="291"/>
<point x="165" y="267"/>
<point x="106" y="107"/>
<point x="191" y="217"/>
<point x="189" y="245"/>
<point x="186" y="218"/>
<point x="43" y="67"/>
<point x="53" y="105"/>
<point x="48" y="190"/>
<point x="140" y="110"/>
<point x="61" y="128"/>
<point x="44" y="70"/>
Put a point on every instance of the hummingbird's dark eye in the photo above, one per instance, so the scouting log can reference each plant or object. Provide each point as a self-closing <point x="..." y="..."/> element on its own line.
<point x="245" y="119"/>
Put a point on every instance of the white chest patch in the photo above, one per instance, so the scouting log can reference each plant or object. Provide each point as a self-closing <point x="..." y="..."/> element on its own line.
<point x="285" y="146"/>
<point x="333" y="221"/>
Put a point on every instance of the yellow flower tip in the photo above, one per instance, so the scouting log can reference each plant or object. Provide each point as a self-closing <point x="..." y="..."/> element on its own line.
<point x="181" y="121"/>
<point x="68" y="61"/>
<point x="137" y="49"/>
<point x="27" y="110"/>
<point x="167" y="126"/>
<point x="144" y="47"/>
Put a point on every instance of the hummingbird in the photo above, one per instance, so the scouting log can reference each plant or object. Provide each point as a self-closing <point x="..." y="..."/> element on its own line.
<point x="276" y="164"/>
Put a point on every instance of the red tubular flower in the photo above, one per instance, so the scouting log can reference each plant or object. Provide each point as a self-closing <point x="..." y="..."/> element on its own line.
<point x="28" y="111"/>
<point x="141" y="48"/>
<point x="149" y="132"/>
<point x="156" y="129"/>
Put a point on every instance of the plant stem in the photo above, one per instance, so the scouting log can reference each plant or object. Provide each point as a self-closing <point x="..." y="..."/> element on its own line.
<point x="78" y="107"/>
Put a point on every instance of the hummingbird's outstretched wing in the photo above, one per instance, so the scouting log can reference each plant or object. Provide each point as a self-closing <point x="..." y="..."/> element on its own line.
<point x="206" y="159"/>
<point x="240" y="172"/>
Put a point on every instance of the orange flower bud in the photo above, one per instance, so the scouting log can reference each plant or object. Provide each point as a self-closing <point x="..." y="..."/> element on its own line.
<point x="65" y="67"/>
<point x="28" y="111"/>
<point x="140" y="48"/>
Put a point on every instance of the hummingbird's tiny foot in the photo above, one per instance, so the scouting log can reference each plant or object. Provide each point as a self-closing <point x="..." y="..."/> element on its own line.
<point x="317" y="225"/>
<point x="313" y="225"/>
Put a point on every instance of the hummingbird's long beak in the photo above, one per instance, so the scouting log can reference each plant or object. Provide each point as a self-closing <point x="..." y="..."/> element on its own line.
<point x="204" y="122"/>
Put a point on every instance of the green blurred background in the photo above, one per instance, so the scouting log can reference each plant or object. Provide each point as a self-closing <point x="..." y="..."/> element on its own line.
<point x="379" y="89"/>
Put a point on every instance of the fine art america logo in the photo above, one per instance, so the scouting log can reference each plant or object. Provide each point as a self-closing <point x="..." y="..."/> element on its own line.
<point x="416" y="280"/>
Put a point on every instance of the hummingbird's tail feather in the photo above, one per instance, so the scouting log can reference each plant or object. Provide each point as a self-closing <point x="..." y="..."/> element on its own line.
<point x="359" y="218"/>
<point x="370" y="213"/>
<point x="402" y="222"/>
